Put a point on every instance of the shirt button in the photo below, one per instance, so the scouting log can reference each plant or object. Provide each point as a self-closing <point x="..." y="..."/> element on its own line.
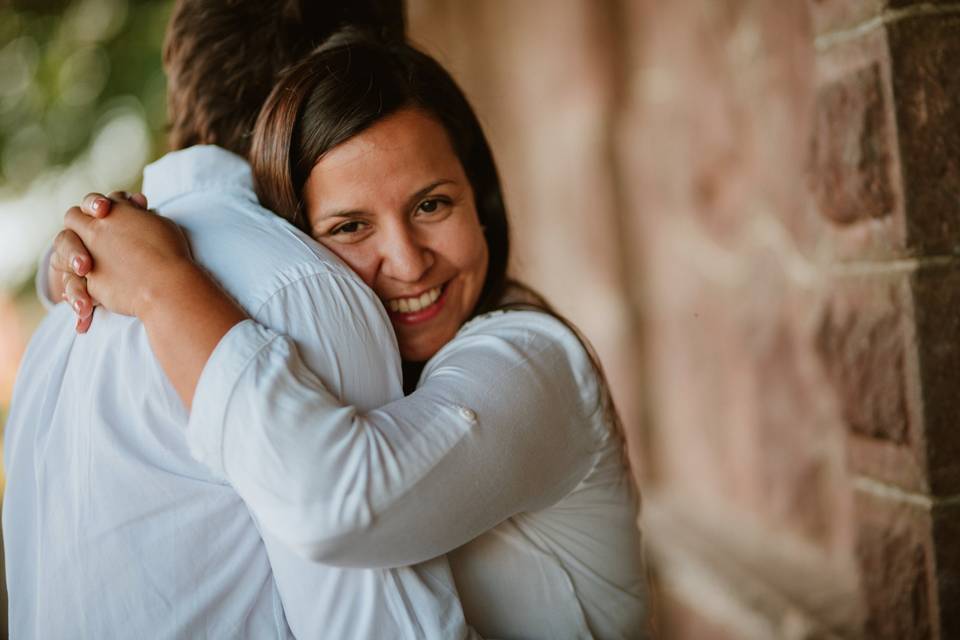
<point x="468" y="414"/>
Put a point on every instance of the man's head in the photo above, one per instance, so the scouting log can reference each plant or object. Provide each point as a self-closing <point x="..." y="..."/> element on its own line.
<point x="222" y="58"/>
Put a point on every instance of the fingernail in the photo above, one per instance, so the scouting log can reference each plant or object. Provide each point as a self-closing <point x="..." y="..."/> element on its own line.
<point x="99" y="204"/>
<point x="77" y="306"/>
<point x="77" y="265"/>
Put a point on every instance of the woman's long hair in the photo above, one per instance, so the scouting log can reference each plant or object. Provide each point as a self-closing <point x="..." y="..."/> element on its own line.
<point x="345" y="86"/>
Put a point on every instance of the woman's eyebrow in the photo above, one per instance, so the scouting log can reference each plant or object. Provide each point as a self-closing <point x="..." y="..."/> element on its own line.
<point x="412" y="200"/>
<point x="341" y="213"/>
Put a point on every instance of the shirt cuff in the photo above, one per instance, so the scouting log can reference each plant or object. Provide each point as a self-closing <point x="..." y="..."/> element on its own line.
<point x="40" y="283"/>
<point x="235" y="352"/>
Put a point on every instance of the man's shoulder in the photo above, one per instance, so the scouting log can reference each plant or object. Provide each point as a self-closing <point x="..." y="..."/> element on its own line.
<point x="251" y="251"/>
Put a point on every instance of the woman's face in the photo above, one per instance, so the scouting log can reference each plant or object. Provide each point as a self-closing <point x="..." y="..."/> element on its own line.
<point x="395" y="204"/>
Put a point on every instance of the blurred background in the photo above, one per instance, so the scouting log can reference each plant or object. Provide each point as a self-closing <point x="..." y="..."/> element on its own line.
<point x="82" y="107"/>
<point x="749" y="207"/>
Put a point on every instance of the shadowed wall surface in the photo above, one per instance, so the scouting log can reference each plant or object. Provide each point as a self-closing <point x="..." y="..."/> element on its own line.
<point x="750" y="207"/>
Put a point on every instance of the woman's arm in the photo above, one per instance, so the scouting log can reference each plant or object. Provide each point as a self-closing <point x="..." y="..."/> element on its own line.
<point x="184" y="311"/>
<point x="498" y="426"/>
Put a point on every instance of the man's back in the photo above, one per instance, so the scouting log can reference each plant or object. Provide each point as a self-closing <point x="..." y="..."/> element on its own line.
<point x="113" y="530"/>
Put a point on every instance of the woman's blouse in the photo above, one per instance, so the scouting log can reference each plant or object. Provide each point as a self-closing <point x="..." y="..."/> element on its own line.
<point x="503" y="457"/>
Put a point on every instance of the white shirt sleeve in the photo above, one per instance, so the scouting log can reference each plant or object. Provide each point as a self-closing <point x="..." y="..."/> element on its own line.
<point x="41" y="284"/>
<point x="499" y="426"/>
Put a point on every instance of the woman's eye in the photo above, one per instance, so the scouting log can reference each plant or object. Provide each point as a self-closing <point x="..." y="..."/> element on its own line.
<point x="347" y="228"/>
<point x="432" y="205"/>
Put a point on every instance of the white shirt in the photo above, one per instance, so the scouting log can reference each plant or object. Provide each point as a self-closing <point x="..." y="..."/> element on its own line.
<point x="113" y="530"/>
<point x="503" y="451"/>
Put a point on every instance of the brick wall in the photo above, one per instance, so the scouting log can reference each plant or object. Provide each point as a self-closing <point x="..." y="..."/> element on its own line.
<point x="752" y="209"/>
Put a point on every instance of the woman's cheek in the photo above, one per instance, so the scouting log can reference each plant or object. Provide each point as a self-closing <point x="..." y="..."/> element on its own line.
<point x="354" y="257"/>
<point x="363" y="262"/>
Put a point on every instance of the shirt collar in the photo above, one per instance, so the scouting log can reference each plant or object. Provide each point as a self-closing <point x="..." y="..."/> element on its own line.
<point x="198" y="168"/>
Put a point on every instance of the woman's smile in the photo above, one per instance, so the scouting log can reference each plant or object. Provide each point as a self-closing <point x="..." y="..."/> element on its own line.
<point x="395" y="204"/>
<point x="416" y="308"/>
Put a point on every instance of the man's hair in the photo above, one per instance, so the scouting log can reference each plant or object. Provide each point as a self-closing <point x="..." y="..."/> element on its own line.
<point x="222" y="58"/>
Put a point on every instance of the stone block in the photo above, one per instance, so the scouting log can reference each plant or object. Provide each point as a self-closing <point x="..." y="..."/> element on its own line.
<point x="924" y="58"/>
<point x="852" y="149"/>
<point x="888" y="344"/>
<point x="894" y="549"/>
<point x="861" y="341"/>
<point x="885" y="157"/>
<point x="853" y="166"/>
<point x="909" y="565"/>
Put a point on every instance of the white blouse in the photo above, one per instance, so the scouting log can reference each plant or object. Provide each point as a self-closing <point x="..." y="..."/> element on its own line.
<point x="503" y="457"/>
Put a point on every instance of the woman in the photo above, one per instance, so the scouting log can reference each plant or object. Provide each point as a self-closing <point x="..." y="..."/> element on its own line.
<point x="507" y="454"/>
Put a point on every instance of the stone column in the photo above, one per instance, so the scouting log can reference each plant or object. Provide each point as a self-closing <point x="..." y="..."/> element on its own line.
<point x="885" y="173"/>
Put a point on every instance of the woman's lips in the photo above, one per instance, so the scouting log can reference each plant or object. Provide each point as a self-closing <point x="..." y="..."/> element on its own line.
<point x="416" y="309"/>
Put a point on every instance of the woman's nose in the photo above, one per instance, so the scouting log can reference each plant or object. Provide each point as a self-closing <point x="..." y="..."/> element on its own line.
<point x="405" y="258"/>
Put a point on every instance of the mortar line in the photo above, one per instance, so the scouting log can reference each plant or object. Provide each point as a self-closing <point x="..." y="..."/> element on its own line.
<point x="825" y="41"/>
<point x="886" y="491"/>
<point x="865" y="267"/>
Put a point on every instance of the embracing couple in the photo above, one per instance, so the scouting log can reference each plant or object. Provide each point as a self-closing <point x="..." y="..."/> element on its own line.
<point x="311" y="402"/>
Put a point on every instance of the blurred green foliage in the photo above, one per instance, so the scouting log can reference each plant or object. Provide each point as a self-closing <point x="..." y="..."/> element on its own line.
<point x="63" y="64"/>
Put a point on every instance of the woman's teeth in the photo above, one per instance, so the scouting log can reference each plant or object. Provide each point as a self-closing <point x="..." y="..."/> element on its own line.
<point x="412" y="305"/>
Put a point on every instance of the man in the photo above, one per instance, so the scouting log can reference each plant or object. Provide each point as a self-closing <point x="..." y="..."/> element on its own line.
<point x="111" y="528"/>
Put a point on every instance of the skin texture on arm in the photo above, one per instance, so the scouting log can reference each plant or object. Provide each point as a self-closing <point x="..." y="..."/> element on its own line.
<point x="155" y="270"/>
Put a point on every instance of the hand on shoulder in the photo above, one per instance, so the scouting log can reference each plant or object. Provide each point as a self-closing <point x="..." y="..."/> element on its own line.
<point x="111" y="253"/>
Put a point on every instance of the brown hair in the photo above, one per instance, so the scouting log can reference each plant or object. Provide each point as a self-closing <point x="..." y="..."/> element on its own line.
<point x="222" y="57"/>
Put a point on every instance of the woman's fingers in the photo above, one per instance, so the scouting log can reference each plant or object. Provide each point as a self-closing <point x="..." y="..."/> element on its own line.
<point x="96" y="205"/>
<point x="139" y="199"/>
<point x="76" y="295"/>
<point x="136" y="199"/>
<point x="70" y="255"/>
<point x="81" y="223"/>
<point x="83" y="324"/>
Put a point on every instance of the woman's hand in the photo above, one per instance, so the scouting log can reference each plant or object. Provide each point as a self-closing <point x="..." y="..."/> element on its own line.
<point x="70" y="261"/>
<point x="141" y="266"/>
<point x="131" y="253"/>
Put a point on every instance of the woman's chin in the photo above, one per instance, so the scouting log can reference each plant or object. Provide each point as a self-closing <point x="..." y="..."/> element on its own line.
<point x="420" y="346"/>
<point x="417" y="352"/>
